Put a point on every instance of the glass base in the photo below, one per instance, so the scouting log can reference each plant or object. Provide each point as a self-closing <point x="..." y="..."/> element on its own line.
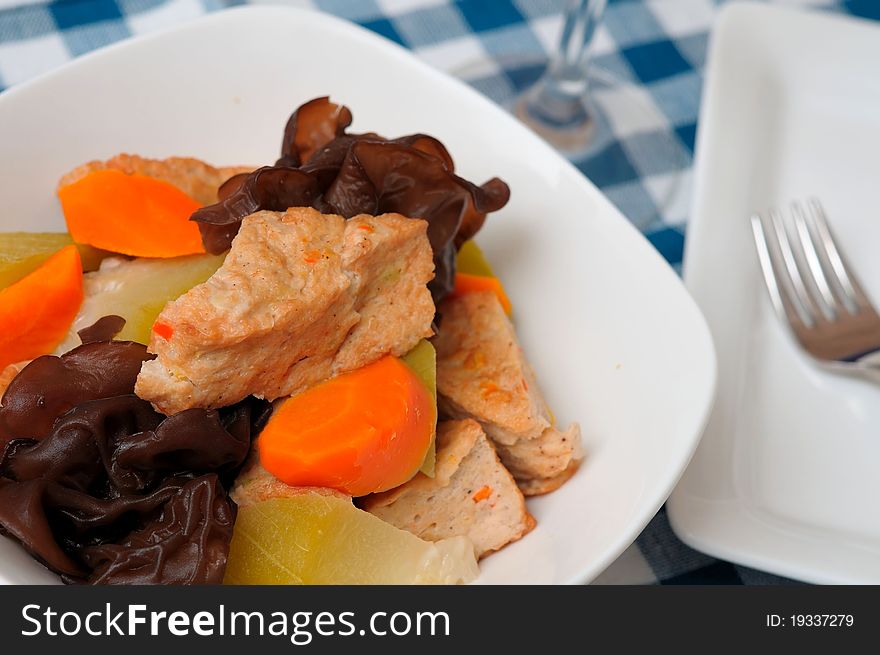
<point x="614" y="133"/>
<point x="563" y="120"/>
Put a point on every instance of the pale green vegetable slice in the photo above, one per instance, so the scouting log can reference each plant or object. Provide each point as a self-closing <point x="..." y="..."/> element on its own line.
<point x="423" y="361"/>
<point x="319" y="539"/>
<point x="137" y="290"/>
<point x="471" y="260"/>
<point x="23" y="252"/>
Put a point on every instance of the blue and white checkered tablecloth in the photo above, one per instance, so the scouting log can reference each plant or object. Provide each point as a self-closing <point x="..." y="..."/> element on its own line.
<point x="658" y="46"/>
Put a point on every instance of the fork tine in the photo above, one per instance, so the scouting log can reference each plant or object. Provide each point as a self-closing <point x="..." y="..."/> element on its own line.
<point x="764" y="259"/>
<point x="774" y="271"/>
<point x="789" y="273"/>
<point x="854" y="297"/>
<point x="824" y="300"/>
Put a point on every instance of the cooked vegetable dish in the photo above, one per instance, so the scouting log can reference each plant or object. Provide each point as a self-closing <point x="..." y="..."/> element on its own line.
<point x="300" y="373"/>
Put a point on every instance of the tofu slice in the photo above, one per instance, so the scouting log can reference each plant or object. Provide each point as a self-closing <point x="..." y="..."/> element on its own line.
<point x="301" y="297"/>
<point x="471" y="494"/>
<point x="255" y="484"/>
<point x="482" y="373"/>
<point x="544" y="464"/>
<point x="195" y="178"/>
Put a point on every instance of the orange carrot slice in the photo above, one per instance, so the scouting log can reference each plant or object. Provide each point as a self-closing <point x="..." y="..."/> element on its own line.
<point x="362" y="432"/>
<point x="467" y="283"/>
<point x="131" y="214"/>
<point x="37" y="311"/>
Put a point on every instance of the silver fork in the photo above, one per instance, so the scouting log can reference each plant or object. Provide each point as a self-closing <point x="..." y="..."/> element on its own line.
<point x="814" y="290"/>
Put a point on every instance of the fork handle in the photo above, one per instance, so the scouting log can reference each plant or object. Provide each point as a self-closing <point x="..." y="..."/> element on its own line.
<point x="866" y="368"/>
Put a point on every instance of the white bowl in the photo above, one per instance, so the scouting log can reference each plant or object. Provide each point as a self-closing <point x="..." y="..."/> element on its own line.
<point x="617" y="342"/>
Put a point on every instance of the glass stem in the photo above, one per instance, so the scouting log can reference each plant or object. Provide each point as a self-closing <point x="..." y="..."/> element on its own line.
<point x="568" y="68"/>
<point x="557" y="100"/>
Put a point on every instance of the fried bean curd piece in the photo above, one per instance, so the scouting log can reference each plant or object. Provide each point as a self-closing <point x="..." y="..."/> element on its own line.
<point x="471" y="494"/>
<point x="482" y="373"/>
<point x="301" y="298"/>
<point x="255" y="484"/>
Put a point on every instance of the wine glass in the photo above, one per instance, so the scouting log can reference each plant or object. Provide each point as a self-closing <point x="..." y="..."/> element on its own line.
<point x="606" y="125"/>
<point x="557" y="106"/>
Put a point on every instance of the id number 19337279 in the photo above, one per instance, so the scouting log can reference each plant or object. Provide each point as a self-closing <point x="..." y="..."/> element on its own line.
<point x="810" y="621"/>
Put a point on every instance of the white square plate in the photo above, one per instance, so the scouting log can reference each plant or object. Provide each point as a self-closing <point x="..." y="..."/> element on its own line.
<point x="787" y="477"/>
<point x="617" y="342"/>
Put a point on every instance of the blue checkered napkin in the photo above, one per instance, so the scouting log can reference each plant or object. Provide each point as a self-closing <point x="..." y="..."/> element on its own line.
<point x="657" y="46"/>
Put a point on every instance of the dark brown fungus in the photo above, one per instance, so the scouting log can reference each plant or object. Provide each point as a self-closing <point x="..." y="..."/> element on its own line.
<point x="117" y="493"/>
<point x="102" y="488"/>
<point x="310" y="127"/>
<point x="391" y="177"/>
<point x="186" y="544"/>
<point x="271" y="188"/>
<point x="50" y="385"/>
<point x="104" y="329"/>
<point x="350" y="174"/>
